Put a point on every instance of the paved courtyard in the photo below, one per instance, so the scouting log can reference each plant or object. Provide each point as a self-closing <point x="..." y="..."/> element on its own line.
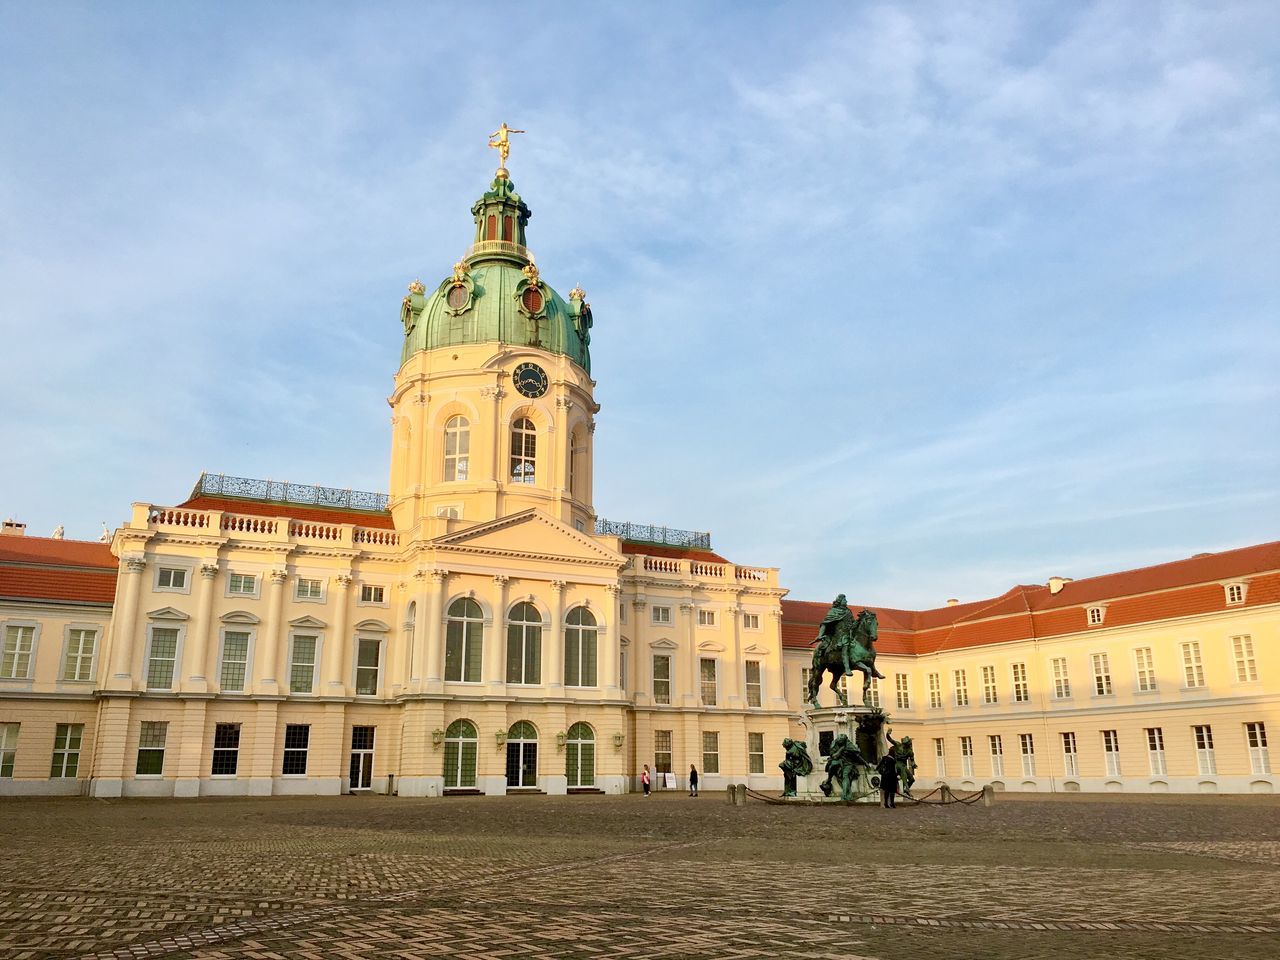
<point x="595" y="876"/>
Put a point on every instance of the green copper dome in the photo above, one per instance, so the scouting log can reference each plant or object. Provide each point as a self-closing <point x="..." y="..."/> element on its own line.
<point x="495" y="293"/>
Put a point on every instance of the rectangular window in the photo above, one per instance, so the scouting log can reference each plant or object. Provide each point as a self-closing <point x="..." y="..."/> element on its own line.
<point x="1061" y="682"/>
<point x="962" y="688"/>
<point x="1021" y="689"/>
<point x="15" y="659"/>
<point x="371" y="594"/>
<point x="66" y="749"/>
<point x="309" y="589"/>
<point x="367" y="655"/>
<point x="1155" y="751"/>
<point x="1255" y="735"/>
<point x="79" y="662"/>
<point x="297" y="737"/>
<point x="9" y="747"/>
<point x="804" y="682"/>
<point x="1144" y="667"/>
<point x="661" y="614"/>
<point x="1095" y="616"/>
<point x="935" y="690"/>
<point x="751" y="621"/>
<point x="755" y="753"/>
<point x="706" y="618"/>
<point x="1235" y="593"/>
<point x="1192" y="668"/>
<point x="151" y="740"/>
<point x="966" y="756"/>
<point x="1070" y="756"/>
<point x="711" y="753"/>
<point x="242" y="583"/>
<point x="1246" y="665"/>
<point x="162" y="658"/>
<point x="1111" y="751"/>
<point x="754" y="687"/>
<point x="662" y="751"/>
<point x="1205" y="761"/>
<point x="873" y="691"/>
<point x="235" y="661"/>
<point x="989" y="692"/>
<point x="902" y="687"/>
<point x="1027" y="744"/>
<point x="1101" y="675"/>
<point x="226" y="749"/>
<point x="939" y="757"/>
<point x="463" y="650"/>
<point x="171" y="579"/>
<point x="707" y="674"/>
<point x="997" y="754"/>
<point x="661" y="678"/>
<point x="302" y="665"/>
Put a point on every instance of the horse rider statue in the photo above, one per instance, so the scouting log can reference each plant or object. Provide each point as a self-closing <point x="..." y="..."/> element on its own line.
<point x="845" y="643"/>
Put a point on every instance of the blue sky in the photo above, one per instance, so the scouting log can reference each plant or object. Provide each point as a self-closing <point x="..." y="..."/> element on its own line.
<point x="914" y="301"/>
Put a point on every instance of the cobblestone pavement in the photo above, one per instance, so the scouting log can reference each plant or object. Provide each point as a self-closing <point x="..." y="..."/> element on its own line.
<point x="544" y="877"/>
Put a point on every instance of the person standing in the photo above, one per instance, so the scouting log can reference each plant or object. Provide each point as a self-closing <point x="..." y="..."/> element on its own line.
<point x="693" y="780"/>
<point x="888" y="770"/>
<point x="644" y="779"/>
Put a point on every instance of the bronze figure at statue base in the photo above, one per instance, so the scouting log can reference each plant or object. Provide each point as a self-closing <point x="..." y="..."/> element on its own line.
<point x="836" y="761"/>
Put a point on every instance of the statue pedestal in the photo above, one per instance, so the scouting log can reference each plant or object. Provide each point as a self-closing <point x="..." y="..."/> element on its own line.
<point x="862" y="725"/>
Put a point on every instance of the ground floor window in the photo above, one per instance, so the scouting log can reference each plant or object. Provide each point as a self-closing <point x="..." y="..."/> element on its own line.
<point x="1155" y="751"/>
<point x="940" y="756"/>
<point x="460" y="746"/>
<point x="662" y="751"/>
<point x="66" y="749"/>
<point x="8" y="747"/>
<point x="1111" y="751"/>
<point x="580" y="756"/>
<point x="297" y="740"/>
<point x="997" y="754"/>
<point x="1070" y="758"/>
<point x="226" y="749"/>
<point x="755" y="753"/>
<point x="1026" y="743"/>
<point x="522" y="755"/>
<point x="1205" y="761"/>
<point x="1255" y="735"/>
<point x="966" y="756"/>
<point x="151" y="748"/>
<point x="711" y="752"/>
<point x="361" y="767"/>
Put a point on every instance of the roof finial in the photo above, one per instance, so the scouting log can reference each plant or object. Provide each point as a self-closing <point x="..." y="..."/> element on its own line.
<point x="500" y="140"/>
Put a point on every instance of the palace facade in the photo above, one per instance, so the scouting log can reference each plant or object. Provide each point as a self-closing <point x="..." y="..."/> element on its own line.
<point x="479" y="629"/>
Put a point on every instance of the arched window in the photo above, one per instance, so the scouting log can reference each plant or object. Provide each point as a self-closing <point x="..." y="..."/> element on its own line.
<point x="522" y="755"/>
<point x="464" y="640"/>
<point x="460" y="743"/>
<point x="506" y="229"/>
<point x="524" y="451"/>
<point x="580" y="756"/>
<point x="575" y="441"/>
<point x="580" y="648"/>
<point x="524" y="644"/>
<point x="457" y="448"/>
<point x="491" y="228"/>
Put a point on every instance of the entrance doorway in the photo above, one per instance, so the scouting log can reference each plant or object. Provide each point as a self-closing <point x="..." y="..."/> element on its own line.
<point x="362" y="758"/>
<point x="580" y="756"/>
<point x="522" y="755"/>
<point x="460" y="744"/>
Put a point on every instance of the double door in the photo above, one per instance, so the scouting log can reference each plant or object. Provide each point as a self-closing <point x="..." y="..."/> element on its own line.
<point x="362" y="758"/>
<point x="522" y="763"/>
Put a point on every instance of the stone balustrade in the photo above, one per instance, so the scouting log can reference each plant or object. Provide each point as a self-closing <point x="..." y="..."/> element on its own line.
<point x="675" y="569"/>
<point x="259" y="529"/>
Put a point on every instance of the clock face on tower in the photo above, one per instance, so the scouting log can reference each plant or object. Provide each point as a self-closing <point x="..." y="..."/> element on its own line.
<point x="530" y="379"/>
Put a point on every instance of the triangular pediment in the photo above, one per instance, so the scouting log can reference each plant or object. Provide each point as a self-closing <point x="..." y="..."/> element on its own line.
<point x="167" y="613"/>
<point x="664" y="644"/>
<point x="308" y="623"/>
<point x="755" y="648"/>
<point x="533" y="535"/>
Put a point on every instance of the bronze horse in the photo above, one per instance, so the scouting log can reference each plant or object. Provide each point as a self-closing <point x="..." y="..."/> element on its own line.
<point x="845" y="644"/>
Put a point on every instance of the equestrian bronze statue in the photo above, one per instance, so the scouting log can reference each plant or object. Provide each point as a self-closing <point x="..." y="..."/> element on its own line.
<point x="845" y="644"/>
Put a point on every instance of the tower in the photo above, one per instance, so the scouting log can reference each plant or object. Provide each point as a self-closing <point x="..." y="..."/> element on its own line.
<point x="492" y="410"/>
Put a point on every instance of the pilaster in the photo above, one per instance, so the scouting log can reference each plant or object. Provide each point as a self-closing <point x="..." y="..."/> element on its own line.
<point x="123" y="639"/>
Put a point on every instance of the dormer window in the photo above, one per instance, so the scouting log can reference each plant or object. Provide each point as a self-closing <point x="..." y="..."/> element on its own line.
<point x="532" y="300"/>
<point x="458" y="296"/>
<point x="1095" y="615"/>
<point x="1235" y="593"/>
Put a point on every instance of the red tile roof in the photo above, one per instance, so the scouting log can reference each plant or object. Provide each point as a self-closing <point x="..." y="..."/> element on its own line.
<point x="66" y="571"/>
<point x="377" y="519"/>
<point x="1180" y="588"/>
<point x="673" y="553"/>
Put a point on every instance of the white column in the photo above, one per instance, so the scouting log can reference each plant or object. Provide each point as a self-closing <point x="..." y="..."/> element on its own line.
<point x="422" y="593"/>
<point x="776" y="680"/>
<point x="196" y="656"/>
<point x="122" y="637"/>
<point x="553" y="658"/>
<point x="267" y="658"/>
<point x="433" y="671"/>
<point x="336" y="668"/>
<point x="692" y="696"/>
<point x="613" y="645"/>
<point x="736" y="686"/>
<point x="495" y="645"/>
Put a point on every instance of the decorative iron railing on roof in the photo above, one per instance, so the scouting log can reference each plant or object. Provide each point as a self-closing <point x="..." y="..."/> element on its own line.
<point x="280" y="491"/>
<point x="651" y="533"/>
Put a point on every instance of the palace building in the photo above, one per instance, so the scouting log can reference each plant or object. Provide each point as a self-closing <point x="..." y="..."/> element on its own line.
<point x="479" y="629"/>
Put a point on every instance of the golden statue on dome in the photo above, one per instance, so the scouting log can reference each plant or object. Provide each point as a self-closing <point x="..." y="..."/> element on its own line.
<point x="500" y="140"/>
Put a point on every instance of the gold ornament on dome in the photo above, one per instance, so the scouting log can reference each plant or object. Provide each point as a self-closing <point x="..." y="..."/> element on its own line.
<point x="460" y="271"/>
<point x="500" y="140"/>
<point x="531" y="271"/>
<point x="577" y="293"/>
<point x="417" y="287"/>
